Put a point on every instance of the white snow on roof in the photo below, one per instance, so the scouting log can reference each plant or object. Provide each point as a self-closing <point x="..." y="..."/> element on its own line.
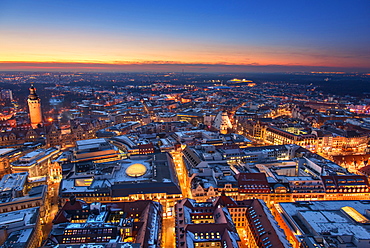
<point x="6" y="150"/>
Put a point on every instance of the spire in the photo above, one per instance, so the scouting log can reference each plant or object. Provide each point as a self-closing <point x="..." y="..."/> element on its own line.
<point x="33" y="95"/>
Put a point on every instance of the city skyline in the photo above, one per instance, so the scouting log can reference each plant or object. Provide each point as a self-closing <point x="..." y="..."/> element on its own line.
<point x="217" y="36"/>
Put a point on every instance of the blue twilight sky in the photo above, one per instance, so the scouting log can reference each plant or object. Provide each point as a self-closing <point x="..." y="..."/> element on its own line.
<point x="326" y="33"/>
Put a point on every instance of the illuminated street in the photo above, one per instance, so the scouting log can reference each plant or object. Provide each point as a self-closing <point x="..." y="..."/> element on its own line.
<point x="169" y="238"/>
<point x="53" y="201"/>
<point x="182" y="174"/>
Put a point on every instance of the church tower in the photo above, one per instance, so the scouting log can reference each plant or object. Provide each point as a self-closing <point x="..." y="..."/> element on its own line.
<point x="34" y="106"/>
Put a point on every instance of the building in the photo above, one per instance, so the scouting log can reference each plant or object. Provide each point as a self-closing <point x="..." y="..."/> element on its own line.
<point x="118" y="129"/>
<point x="278" y="136"/>
<point x="34" y="105"/>
<point x="98" y="150"/>
<point x="37" y="163"/>
<point x="262" y="230"/>
<point x="53" y="136"/>
<point x="16" y="193"/>
<point x="6" y="94"/>
<point x="222" y="122"/>
<point x="325" y="223"/>
<point x="129" y="224"/>
<point x="165" y="117"/>
<point x="164" y="127"/>
<point x="275" y="173"/>
<point x="224" y="222"/>
<point x="5" y="158"/>
<point x="149" y="177"/>
<point x="204" y="225"/>
<point x="20" y="229"/>
<point x="192" y="116"/>
<point x="133" y="144"/>
<point x="200" y="136"/>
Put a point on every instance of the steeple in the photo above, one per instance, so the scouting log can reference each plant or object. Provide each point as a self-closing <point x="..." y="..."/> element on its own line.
<point x="33" y="95"/>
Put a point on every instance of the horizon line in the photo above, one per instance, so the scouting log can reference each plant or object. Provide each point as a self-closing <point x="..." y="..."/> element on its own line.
<point x="167" y="66"/>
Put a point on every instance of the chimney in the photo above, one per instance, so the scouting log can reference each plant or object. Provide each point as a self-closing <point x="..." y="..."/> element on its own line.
<point x="72" y="199"/>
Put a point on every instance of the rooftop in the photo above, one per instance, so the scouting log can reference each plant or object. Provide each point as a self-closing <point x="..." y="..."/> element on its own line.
<point x="24" y="217"/>
<point x="6" y="150"/>
<point x="139" y="174"/>
<point x="15" y="181"/>
<point x="330" y="218"/>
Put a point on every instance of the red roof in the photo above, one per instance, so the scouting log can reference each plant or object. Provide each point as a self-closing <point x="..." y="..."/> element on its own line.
<point x="252" y="183"/>
<point x="343" y="181"/>
<point x="365" y="170"/>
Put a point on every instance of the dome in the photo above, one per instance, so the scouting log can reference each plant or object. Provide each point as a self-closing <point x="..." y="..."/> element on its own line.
<point x="136" y="170"/>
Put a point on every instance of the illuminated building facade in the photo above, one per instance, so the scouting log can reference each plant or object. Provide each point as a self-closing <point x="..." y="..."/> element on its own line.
<point x="277" y="136"/>
<point x="37" y="163"/>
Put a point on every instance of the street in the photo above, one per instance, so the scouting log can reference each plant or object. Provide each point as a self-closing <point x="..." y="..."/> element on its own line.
<point x="53" y="201"/>
<point x="182" y="174"/>
<point x="168" y="232"/>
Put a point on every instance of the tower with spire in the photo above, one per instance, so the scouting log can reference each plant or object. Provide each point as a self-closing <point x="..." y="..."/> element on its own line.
<point x="34" y="105"/>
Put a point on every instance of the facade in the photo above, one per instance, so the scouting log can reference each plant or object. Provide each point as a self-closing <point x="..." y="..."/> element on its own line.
<point x="37" y="163"/>
<point x="10" y="155"/>
<point x="165" y="117"/>
<point x="278" y="136"/>
<point x="16" y="137"/>
<point x="262" y="229"/>
<point x="54" y="136"/>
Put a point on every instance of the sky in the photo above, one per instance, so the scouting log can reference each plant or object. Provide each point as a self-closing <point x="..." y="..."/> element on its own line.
<point x="190" y="36"/>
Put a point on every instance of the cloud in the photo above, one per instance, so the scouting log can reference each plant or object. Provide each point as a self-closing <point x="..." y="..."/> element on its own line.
<point x="165" y="66"/>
